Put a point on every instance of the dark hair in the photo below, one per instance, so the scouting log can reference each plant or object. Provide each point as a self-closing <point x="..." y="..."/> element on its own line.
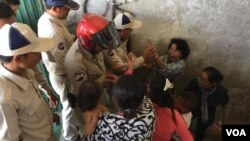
<point x="5" y="11"/>
<point x="157" y="94"/>
<point x="189" y="100"/>
<point x="6" y="59"/>
<point x="213" y="74"/>
<point x="128" y="93"/>
<point x="181" y="45"/>
<point x="143" y="73"/>
<point x="13" y="2"/>
<point x="88" y="96"/>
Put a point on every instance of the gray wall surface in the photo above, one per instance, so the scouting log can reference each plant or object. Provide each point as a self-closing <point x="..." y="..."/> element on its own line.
<point x="218" y="32"/>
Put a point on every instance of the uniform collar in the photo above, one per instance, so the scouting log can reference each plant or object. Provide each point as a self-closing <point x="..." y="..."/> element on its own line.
<point x="96" y="58"/>
<point x="88" y="54"/>
<point x="54" y="19"/>
<point x="16" y="79"/>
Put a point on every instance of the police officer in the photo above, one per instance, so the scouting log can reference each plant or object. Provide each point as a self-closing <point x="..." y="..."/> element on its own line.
<point x="116" y="58"/>
<point x="85" y="59"/>
<point x="51" y="24"/>
<point x="24" y="115"/>
<point x="8" y="16"/>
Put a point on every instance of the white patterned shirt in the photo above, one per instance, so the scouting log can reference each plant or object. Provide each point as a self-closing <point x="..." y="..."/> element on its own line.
<point x="116" y="128"/>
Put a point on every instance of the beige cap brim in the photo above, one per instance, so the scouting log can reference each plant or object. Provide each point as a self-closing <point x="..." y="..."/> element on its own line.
<point x="136" y="24"/>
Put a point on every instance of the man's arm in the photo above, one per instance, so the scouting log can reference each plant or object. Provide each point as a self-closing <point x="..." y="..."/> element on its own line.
<point x="45" y="87"/>
<point x="112" y="59"/>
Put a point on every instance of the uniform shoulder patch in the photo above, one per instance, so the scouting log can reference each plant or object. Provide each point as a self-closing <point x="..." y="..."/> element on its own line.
<point x="79" y="76"/>
<point x="61" y="46"/>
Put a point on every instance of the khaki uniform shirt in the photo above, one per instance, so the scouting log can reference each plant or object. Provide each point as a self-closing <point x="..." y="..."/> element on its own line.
<point x="82" y="65"/>
<point x="49" y="26"/>
<point x="23" y="112"/>
<point x="117" y="57"/>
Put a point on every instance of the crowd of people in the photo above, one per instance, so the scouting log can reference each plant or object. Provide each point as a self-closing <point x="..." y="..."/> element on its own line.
<point x="107" y="92"/>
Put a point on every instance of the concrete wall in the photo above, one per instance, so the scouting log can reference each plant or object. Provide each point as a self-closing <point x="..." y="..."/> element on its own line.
<point x="218" y="32"/>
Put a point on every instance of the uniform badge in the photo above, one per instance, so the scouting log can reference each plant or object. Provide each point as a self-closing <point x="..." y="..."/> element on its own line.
<point x="78" y="76"/>
<point x="61" y="46"/>
<point x="110" y="53"/>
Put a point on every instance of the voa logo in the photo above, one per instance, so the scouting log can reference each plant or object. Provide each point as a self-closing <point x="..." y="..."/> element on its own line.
<point x="236" y="132"/>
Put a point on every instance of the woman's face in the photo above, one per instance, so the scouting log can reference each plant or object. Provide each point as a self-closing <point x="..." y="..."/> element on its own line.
<point x="204" y="83"/>
<point x="173" y="53"/>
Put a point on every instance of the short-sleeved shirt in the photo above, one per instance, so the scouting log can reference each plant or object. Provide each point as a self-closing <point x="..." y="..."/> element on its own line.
<point x="82" y="65"/>
<point x="112" y="127"/>
<point x="23" y="112"/>
<point x="219" y="97"/>
<point x="51" y="27"/>
<point x="117" y="57"/>
<point x="172" y="70"/>
<point x="43" y="85"/>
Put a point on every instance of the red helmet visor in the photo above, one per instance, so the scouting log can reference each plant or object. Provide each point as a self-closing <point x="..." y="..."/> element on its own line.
<point x="107" y="38"/>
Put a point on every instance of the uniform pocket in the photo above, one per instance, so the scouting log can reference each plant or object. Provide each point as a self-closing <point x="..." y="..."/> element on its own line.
<point x="34" y="113"/>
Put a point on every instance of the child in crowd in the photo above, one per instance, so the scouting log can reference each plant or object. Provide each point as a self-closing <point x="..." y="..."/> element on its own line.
<point x="172" y="65"/>
<point x="89" y="95"/>
<point x="168" y="121"/>
<point x="184" y="104"/>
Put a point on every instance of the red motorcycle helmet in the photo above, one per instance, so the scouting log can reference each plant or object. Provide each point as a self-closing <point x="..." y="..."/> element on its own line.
<point x="95" y="30"/>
